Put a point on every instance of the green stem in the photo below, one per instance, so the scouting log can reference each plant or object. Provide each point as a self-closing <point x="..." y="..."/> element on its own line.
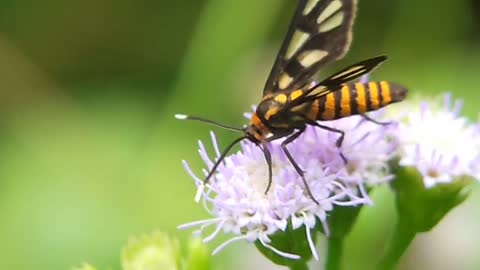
<point x="402" y="237"/>
<point x="299" y="266"/>
<point x="334" y="253"/>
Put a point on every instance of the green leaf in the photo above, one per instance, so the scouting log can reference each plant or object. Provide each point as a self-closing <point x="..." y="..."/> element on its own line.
<point x="422" y="208"/>
<point x="291" y="241"/>
<point x="341" y="220"/>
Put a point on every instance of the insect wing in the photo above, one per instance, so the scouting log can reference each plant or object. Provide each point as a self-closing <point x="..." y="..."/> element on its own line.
<point x="319" y="33"/>
<point x="335" y="82"/>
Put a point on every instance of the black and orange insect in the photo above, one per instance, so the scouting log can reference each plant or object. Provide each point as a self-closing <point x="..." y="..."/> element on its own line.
<point x="319" y="33"/>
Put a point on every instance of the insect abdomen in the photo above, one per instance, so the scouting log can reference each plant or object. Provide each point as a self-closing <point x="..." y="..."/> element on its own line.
<point x="355" y="98"/>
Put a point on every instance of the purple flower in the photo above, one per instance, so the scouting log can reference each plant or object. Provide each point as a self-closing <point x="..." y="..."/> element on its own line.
<point x="440" y="143"/>
<point x="235" y="195"/>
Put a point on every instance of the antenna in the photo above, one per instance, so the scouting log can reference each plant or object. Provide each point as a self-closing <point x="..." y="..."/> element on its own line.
<point x="196" y="118"/>
<point x="222" y="155"/>
<point x="201" y="187"/>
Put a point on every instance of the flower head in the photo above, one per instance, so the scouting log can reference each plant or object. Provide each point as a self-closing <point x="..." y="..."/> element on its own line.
<point x="236" y="197"/>
<point x="155" y="251"/>
<point x="440" y="143"/>
<point x="84" y="266"/>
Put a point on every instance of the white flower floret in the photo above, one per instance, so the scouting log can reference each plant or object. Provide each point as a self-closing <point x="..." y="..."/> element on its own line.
<point x="439" y="142"/>
<point x="235" y="195"/>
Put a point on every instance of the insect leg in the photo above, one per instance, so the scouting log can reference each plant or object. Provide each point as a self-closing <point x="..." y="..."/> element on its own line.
<point x="294" y="163"/>
<point x="339" y="141"/>
<point x="368" y="118"/>
<point x="268" y="158"/>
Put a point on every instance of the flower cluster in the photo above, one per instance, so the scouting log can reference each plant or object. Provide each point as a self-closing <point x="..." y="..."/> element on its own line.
<point x="236" y="198"/>
<point x="438" y="142"/>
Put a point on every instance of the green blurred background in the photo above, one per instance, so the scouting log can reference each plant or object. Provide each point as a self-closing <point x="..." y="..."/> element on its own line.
<point x="90" y="152"/>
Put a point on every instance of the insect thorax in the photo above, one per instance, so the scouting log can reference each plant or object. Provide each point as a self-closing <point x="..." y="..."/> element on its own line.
<point x="277" y="113"/>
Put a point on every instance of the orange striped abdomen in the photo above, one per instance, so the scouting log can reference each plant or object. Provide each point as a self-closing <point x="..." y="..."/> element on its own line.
<point x="355" y="98"/>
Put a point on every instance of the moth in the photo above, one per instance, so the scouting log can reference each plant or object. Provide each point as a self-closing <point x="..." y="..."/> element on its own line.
<point x="319" y="33"/>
